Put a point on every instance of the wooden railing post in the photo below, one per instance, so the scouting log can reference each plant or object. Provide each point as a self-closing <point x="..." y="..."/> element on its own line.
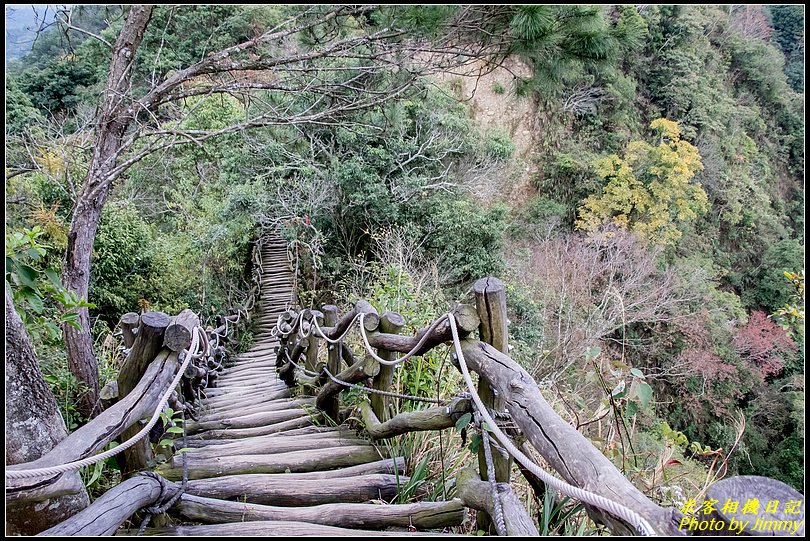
<point x="148" y="343"/>
<point x="129" y="328"/>
<point x="390" y="322"/>
<point x="490" y="300"/>
<point x="312" y="345"/>
<point x="330" y="319"/>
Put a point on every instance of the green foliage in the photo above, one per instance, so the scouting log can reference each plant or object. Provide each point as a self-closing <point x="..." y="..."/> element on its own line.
<point x="556" y="514"/>
<point x="540" y="217"/>
<point x="426" y="19"/>
<point x="20" y="110"/>
<point x="58" y="87"/>
<point x="179" y="37"/>
<point x="568" y="43"/>
<point x="568" y="177"/>
<point x="499" y="146"/>
<point x="772" y="291"/>
<point x="791" y="315"/>
<point x="30" y="282"/>
<point x="121" y="261"/>
<point x="467" y="238"/>
<point x="761" y="67"/>
<point x="788" y="34"/>
<point x="103" y="475"/>
<point x="66" y="389"/>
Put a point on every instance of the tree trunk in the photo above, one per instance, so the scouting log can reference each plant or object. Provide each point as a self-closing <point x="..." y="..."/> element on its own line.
<point x="33" y="427"/>
<point x="113" y="122"/>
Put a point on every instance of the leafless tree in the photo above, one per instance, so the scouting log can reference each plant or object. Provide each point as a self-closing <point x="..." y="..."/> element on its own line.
<point x="750" y="21"/>
<point x="583" y="99"/>
<point x="590" y="288"/>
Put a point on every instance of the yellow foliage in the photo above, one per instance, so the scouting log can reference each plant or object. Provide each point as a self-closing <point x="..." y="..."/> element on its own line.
<point x="50" y="161"/>
<point x="648" y="191"/>
<point x="51" y="224"/>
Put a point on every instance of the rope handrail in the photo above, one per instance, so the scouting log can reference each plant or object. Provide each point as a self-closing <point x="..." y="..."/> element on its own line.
<point x="361" y="318"/>
<point x="363" y="387"/>
<point x="590" y="498"/>
<point x="77" y="464"/>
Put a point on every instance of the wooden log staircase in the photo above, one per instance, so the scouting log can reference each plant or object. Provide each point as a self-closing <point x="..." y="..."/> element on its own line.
<point x="262" y="461"/>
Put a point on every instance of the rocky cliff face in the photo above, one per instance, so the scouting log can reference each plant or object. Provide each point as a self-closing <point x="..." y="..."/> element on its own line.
<point x="495" y="108"/>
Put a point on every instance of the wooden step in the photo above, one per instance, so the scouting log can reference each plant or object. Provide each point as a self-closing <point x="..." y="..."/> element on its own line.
<point x="424" y="515"/>
<point x="269" y="528"/>
<point x="272" y="394"/>
<point x="260" y="419"/>
<point x="289" y="489"/>
<point x="308" y="431"/>
<point x="273" y="444"/>
<point x="225" y="413"/>
<point x="307" y="460"/>
<point x="236" y="433"/>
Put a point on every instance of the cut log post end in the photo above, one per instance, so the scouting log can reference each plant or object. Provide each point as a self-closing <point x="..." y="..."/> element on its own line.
<point x="178" y="334"/>
<point x="371" y="319"/>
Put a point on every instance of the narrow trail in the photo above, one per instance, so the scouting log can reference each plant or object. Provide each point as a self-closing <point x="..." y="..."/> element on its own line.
<point x="262" y="463"/>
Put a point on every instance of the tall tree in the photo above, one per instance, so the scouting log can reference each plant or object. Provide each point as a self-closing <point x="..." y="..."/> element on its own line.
<point x="317" y="66"/>
<point x="33" y="427"/>
<point x="112" y="125"/>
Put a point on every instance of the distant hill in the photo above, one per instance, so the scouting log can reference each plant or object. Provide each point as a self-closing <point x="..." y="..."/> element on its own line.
<point x="22" y="22"/>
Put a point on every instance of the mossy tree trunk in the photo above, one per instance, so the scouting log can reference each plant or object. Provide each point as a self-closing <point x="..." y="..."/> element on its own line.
<point x="34" y="426"/>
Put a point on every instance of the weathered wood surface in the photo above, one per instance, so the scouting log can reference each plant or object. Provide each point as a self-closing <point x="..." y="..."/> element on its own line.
<point x="304" y="420"/>
<point x="331" y="406"/>
<point x="149" y="341"/>
<point x="743" y="488"/>
<point x="271" y="444"/>
<point x="177" y="336"/>
<point x="422" y="515"/>
<point x="92" y="437"/>
<point x="466" y="317"/>
<point x="34" y="425"/>
<point x="565" y="449"/>
<point x="371" y="319"/>
<point x="312" y="345"/>
<point x="272" y="528"/>
<point x="391" y="323"/>
<point x="307" y="460"/>
<point x="252" y="420"/>
<point x="115" y="506"/>
<point x="308" y="430"/>
<point x="436" y="418"/>
<point x="359" y="371"/>
<point x="227" y="414"/>
<point x="490" y="302"/>
<point x="477" y="494"/>
<point x="129" y="328"/>
<point x="289" y="489"/>
<point x="272" y="392"/>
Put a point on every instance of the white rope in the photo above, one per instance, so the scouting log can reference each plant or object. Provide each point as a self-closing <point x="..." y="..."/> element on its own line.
<point x="408" y="355"/>
<point x="71" y="466"/>
<point x="322" y="334"/>
<point x="614" y="508"/>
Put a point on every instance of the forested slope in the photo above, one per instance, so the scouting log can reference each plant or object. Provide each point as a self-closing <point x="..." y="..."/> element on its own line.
<point x="639" y="187"/>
